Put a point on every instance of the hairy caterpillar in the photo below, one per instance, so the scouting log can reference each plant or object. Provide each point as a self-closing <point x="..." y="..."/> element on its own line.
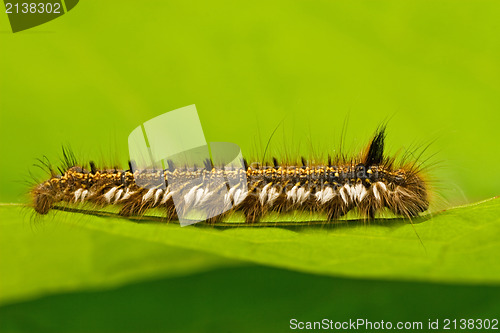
<point x="369" y="183"/>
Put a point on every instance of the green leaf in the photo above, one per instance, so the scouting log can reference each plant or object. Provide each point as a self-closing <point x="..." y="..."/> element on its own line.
<point x="73" y="251"/>
<point x="64" y="254"/>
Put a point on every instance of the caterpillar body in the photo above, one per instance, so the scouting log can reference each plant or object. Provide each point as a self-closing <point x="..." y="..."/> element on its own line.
<point x="368" y="183"/>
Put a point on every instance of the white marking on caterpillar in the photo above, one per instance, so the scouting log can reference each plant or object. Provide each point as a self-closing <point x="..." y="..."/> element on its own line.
<point x="207" y="197"/>
<point x="228" y="197"/>
<point x="148" y="195"/>
<point x="292" y="194"/>
<point x="166" y="195"/>
<point x="199" y="195"/>
<point x="345" y="193"/>
<point x="376" y="190"/>
<point x="319" y="195"/>
<point x="360" y="191"/>
<point x="325" y="195"/>
<point x="202" y="195"/>
<point x="302" y="195"/>
<point x="84" y="194"/>
<point x="352" y="192"/>
<point x="110" y="194"/>
<point x="382" y="185"/>
<point x="272" y="196"/>
<point x="158" y="194"/>
<point x="227" y="201"/>
<point x="328" y="195"/>
<point x="127" y="194"/>
<point x="190" y="197"/>
<point x="239" y="196"/>
<point x="263" y="194"/>
<point x="78" y="193"/>
<point x="375" y="193"/>
<point x="118" y="195"/>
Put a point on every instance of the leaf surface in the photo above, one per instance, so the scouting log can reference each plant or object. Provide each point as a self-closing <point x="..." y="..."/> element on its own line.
<point x="73" y="251"/>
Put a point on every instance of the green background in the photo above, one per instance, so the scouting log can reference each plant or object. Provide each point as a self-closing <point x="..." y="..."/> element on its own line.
<point x="88" y="78"/>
